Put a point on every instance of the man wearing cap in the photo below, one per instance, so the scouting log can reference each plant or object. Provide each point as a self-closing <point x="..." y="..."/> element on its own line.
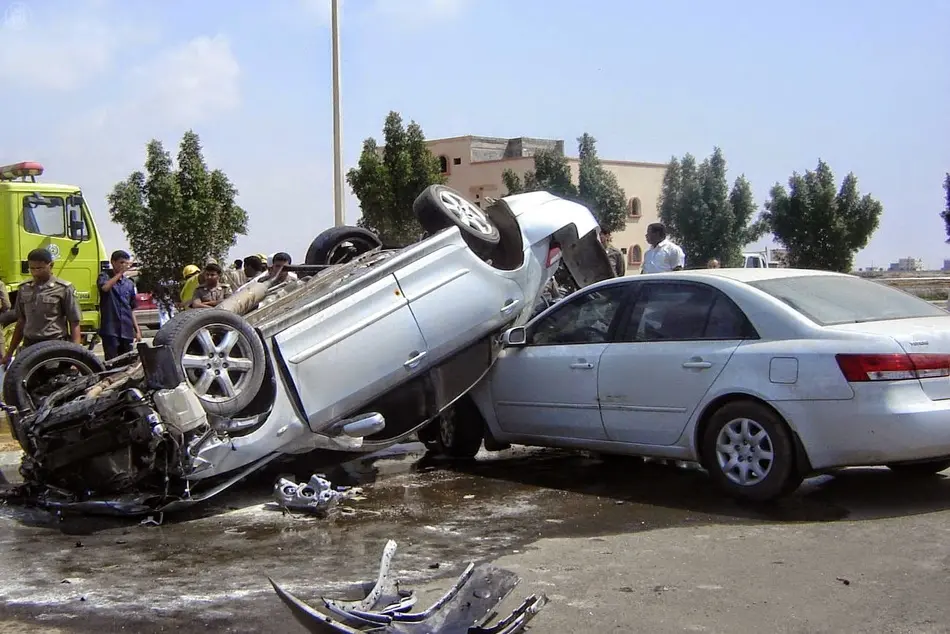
<point x="46" y="307"/>
<point x="191" y="276"/>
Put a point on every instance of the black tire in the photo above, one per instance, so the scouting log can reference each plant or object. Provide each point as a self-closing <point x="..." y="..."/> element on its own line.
<point x="181" y="335"/>
<point x="920" y="469"/>
<point x="461" y="430"/>
<point x="439" y="207"/>
<point x="17" y="392"/>
<point x="781" y="473"/>
<point x="326" y="247"/>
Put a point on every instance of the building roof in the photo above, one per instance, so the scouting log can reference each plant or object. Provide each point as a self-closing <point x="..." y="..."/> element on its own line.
<point x="537" y="141"/>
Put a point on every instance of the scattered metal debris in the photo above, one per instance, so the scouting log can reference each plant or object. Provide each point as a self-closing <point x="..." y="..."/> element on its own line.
<point x="315" y="496"/>
<point x="467" y="608"/>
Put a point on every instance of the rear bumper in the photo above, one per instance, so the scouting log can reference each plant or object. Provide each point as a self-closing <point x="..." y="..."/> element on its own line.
<point x="880" y="425"/>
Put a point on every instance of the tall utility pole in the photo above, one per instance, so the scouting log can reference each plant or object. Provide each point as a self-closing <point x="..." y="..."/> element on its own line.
<point x="339" y="213"/>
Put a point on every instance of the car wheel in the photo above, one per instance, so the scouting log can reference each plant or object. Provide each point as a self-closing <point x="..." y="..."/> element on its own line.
<point x="39" y="370"/>
<point x="219" y="355"/>
<point x="461" y="430"/>
<point x="748" y="451"/>
<point x="439" y="207"/>
<point x="920" y="469"/>
<point x="339" y="245"/>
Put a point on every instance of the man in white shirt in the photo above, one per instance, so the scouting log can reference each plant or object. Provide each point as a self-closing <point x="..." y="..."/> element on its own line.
<point x="663" y="254"/>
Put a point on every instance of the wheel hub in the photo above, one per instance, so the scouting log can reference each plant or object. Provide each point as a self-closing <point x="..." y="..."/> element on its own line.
<point x="744" y="452"/>
<point x="470" y="215"/>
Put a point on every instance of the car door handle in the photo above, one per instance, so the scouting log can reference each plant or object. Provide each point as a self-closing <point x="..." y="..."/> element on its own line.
<point x="582" y="366"/>
<point x="414" y="360"/>
<point x="509" y="306"/>
<point x="698" y="365"/>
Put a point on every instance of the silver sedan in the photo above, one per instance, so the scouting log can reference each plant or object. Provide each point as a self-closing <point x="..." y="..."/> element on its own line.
<point x="763" y="376"/>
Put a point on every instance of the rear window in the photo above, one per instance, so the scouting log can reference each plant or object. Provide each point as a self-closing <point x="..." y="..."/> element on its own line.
<point x="830" y="299"/>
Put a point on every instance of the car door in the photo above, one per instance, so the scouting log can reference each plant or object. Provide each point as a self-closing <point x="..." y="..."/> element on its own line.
<point x="352" y="351"/>
<point x="456" y="298"/>
<point x="549" y="386"/>
<point x="675" y="341"/>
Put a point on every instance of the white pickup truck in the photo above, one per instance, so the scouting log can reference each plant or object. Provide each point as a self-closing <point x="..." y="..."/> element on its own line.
<point x="755" y="261"/>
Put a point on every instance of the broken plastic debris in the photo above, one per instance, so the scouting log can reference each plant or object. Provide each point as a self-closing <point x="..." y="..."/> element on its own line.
<point x="467" y="608"/>
<point x="316" y="496"/>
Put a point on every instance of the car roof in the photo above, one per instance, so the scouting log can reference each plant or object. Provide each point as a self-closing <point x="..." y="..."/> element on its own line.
<point x="739" y="274"/>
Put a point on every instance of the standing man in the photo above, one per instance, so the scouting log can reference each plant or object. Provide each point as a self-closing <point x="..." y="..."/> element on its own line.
<point x="663" y="255"/>
<point x="712" y="264"/>
<point x="118" y="327"/>
<point x="277" y="263"/>
<point x="253" y="266"/>
<point x="46" y="307"/>
<point x="190" y="280"/>
<point x="614" y="255"/>
<point x="212" y="293"/>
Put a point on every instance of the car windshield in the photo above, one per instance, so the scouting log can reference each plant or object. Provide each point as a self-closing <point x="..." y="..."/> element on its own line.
<point x="831" y="299"/>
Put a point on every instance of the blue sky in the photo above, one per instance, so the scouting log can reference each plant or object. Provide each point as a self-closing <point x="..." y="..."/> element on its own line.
<point x="862" y="85"/>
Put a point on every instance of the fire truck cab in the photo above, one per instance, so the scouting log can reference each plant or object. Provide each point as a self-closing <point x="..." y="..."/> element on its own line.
<point x="55" y="217"/>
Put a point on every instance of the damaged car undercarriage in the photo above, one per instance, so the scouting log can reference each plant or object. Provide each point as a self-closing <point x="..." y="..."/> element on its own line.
<point x="221" y="392"/>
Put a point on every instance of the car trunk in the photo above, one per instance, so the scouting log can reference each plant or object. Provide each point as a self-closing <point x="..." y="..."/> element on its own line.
<point x="920" y="336"/>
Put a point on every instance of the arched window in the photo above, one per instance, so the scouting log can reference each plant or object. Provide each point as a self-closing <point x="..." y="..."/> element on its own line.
<point x="635" y="255"/>
<point x="634" y="207"/>
<point x="443" y="164"/>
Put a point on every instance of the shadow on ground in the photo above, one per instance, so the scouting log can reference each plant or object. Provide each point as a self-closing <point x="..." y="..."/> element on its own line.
<point x="207" y="567"/>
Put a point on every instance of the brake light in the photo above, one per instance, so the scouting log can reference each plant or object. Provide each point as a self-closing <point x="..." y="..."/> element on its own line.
<point x="554" y="254"/>
<point x="859" y="368"/>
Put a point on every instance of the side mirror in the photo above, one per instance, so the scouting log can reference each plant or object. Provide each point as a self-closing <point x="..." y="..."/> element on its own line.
<point x="515" y="337"/>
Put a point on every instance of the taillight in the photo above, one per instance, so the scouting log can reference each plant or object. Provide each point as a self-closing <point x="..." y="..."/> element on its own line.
<point x="554" y="254"/>
<point x="859" y="368"/>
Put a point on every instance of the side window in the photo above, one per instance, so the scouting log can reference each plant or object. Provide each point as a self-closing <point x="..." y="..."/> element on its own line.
<point x="726" y="321"/>
<point x="45" y="216"/>
<point x="586" y="319"/>
<point x="685" y="312"/>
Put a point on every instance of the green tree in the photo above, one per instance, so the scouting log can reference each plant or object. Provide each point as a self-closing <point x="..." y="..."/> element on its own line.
<point x="387" y="180"/>
<point x="945" y="214"/>
<point x="703" y="215"/>
<point x="821" y="227"/>
<point x="176" y="217"/>
<point x="597" y="187"/>
<point x="551" y="173"/>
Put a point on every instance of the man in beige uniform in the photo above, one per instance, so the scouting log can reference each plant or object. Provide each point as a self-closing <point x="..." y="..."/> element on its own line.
<point x="212" y="292"/>
<point x="46" y="307"/>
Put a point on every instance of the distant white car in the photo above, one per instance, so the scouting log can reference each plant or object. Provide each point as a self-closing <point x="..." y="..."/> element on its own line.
<point x="763" y="376"/>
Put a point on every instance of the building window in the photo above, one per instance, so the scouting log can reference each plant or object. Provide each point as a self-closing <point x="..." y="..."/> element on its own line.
<point x="443" y="164"/>
<point x="635" y="256"/>
<point x="457" y="161"/>
<point x="634" y="207"/>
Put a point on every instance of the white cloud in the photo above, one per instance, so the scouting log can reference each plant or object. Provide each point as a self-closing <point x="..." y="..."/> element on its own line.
<point x="188" y="83"/>
<point x="58" y="51"/>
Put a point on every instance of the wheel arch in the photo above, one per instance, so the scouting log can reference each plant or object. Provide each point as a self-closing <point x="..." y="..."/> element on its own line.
<point x="802" y="461"/>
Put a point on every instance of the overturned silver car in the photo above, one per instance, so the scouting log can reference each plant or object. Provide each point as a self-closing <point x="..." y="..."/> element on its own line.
<point x="367" y="346"/>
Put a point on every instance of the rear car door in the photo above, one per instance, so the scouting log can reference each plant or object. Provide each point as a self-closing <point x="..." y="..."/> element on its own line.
<point x="675" y="343"/>
<point x="549" y="386"/>
<point x="343" y="356"/>
<point x="456" y="298"/>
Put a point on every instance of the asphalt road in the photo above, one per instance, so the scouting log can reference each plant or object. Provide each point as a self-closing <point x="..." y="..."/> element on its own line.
<point x="618" y="546"/>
